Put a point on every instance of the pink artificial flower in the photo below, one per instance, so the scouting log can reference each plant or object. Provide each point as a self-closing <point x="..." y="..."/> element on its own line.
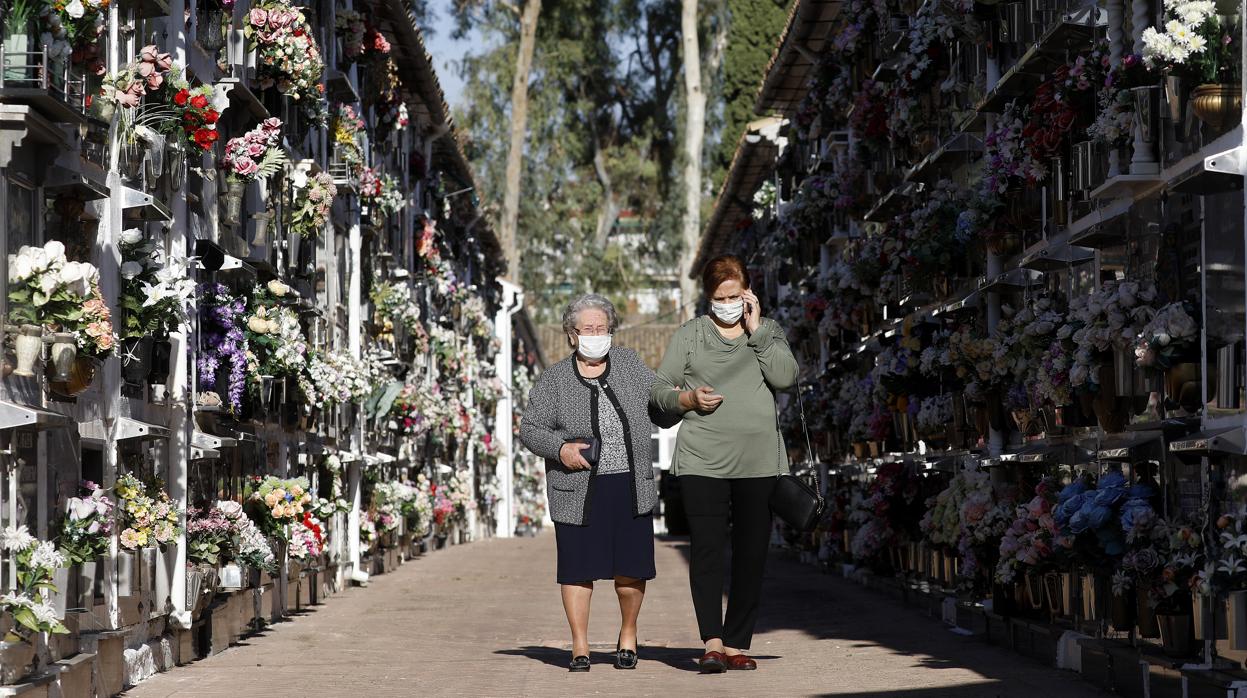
<point x="255" y="150"/>
<point x="128" y="98"/>
<point x="245" y="166"/>
<point x="258" y="17"/>
<point x="146" y="69"/>
<point x="154" y="81"/>
<point x="149" y="53"/>
<point x="272" y="124"/>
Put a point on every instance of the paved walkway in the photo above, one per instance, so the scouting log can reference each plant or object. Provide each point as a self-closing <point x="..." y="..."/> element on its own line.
<point x="485" y="620"/>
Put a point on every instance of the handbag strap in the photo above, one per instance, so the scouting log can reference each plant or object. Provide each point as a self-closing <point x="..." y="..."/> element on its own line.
<point x="809" y="449"/>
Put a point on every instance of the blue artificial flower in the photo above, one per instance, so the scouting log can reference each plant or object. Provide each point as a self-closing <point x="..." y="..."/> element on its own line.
<point x="1142" y="492"/>
<point x="1074" y="488"/>
<point x="1089" y="517"/>
<point x="1066" y="510"/>
<point x="1132" y="510"/>
<point x="1109" y="496"/>
<point x="1113" y="479"/>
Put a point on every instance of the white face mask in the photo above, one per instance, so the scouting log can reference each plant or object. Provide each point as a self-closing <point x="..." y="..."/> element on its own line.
<point x="594" y="347"/>
<point x="728" y="312"/>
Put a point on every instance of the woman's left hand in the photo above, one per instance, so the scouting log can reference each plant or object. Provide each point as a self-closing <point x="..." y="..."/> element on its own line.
<point x="753" y="312"/>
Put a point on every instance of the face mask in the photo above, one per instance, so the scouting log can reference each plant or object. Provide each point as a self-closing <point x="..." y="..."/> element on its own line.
<point x="595" y="347"/>
<point x="728" y="312"/>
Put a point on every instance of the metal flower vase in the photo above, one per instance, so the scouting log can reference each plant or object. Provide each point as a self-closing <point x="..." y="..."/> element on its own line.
<point x="64" y="351"/>
<point x="1175" y="633"/>
<point x="231" y="200"/>
<point x="1218" y="105"/>
<point x="210" y="27"/>
<point x="17" y="659"/>
<point x="136" y="358"/>
<point x="28" y="345"/>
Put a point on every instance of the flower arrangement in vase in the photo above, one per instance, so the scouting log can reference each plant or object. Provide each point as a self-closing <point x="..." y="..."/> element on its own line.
<point x="155" y="297"/>
<point x="1030" y="541"/>
<point x="1200" y="45"/>
<point x="35" y="563"/>
<point x="307" y="539"/>
<point x="1111" y="318"/>
<point x="255" y="155"/>
<point x="150" y="517"/>
<point x="223" y="533"/>
<point x="313" y="202"/>
<point x="346" y="127"/>
<point x="278" y="504"/>
<point x="226" y="364"/>
<point x="1116" y="105"/>
<point x="47" y="291"/>
<point x="274" y="332"/>
<point x="287" y="56"/>
<point x="1170" y="337"/>
<point x="73" y="29"/>
<point x="85" y="532"/>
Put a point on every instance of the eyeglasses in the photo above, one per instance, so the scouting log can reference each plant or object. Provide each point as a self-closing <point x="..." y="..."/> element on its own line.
<point x="591" y="331"/>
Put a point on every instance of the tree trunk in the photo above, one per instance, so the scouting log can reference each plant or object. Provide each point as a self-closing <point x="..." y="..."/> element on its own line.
<point x="694" y="132"/>
<point x="519" y="128"/>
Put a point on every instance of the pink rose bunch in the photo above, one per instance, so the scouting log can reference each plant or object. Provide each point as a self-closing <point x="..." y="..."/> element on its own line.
<point x="286" y="52"/>
<point x="245" y="155"/>
<point x="128" y="87"/>
<point x="1033" y="535"/>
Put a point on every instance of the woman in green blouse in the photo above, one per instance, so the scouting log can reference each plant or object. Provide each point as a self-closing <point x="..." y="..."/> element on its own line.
<point x="721" y="372"/>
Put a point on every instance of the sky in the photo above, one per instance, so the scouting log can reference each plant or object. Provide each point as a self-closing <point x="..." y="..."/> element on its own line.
<point x="446" y="51"/>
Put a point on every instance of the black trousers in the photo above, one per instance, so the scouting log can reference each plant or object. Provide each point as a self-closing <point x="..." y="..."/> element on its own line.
<point x="722" y="512"/>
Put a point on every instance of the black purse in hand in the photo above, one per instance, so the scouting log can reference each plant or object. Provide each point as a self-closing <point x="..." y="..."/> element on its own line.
<point x="793" y="499"/>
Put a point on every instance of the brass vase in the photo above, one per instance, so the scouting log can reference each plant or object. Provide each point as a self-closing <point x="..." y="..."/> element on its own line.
<point x="1217" y="105"/>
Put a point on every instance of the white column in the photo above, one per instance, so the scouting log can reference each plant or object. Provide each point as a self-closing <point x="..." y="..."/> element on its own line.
<point x="474" y="516"/>
<point x="1142" y="159"/>
<point x="512" y="302"/>
<point x="110" y="374"/>
<point x="179" y="425"/>
<point x="354" y="341"/>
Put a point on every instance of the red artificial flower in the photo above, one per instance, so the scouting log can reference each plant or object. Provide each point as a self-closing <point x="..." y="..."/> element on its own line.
<point x="199" y="101"/>
<point x="204" y="138"/>
<point x="211" y="116"/>
<point x="181" y="97"/>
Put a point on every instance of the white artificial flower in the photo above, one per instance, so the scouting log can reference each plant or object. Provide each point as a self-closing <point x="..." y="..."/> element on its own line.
<point x="131" y="236"/>
<point x="80" y="509"/>
<point x="129" y="270"/>
<point x="16" y="539"/>
<point x="75" y="9"/>
<point x="45" y="613"/>
<point x="48" y="284"/>
<point x="55" y="251"/>
<point x="20" y="268"/>
<point x="46" y="556"/>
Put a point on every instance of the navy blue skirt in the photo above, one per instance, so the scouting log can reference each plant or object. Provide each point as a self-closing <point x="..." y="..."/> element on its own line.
<point x="613" y="544"/>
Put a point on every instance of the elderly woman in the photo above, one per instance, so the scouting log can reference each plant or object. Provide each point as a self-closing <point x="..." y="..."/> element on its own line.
<point x="596" y="400"/>
<point x="721" y="372"/>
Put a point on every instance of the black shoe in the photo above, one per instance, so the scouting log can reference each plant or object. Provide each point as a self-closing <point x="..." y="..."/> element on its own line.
<point x="625" y="659"/>
<point x="579" y="663"/>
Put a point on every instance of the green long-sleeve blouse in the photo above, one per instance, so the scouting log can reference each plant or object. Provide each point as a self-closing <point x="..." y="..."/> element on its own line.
<point x="740" y="438"/>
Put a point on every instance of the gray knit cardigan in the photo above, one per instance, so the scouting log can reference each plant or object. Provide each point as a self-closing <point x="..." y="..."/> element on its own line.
<point x="563" y="406"/>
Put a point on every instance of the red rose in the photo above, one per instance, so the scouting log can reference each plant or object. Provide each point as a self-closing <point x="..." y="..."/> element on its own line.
<point x="199" y="101"/>
<point x="211" y="116"/>
<point x="203" y="138"/>
<point x="181" y="97"/>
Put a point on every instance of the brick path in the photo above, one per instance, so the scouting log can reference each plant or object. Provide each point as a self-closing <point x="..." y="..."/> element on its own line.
<point x="485" y="620"/>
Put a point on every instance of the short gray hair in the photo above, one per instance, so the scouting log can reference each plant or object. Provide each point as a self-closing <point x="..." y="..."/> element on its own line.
<point x="586" y="302"/>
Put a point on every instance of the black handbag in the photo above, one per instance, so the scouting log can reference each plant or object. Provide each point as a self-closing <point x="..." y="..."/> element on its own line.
<point x="793" y="499"/>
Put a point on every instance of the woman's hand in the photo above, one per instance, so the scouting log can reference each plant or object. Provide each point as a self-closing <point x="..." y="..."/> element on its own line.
<point x="753" y="312"/>
<point x="571" y="458"/>
<point x="702" y="399"/>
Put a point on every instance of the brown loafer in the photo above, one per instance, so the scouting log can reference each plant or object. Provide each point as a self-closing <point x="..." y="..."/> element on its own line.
<point x="713" y="663"/>
<point x="741" y="662"/>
